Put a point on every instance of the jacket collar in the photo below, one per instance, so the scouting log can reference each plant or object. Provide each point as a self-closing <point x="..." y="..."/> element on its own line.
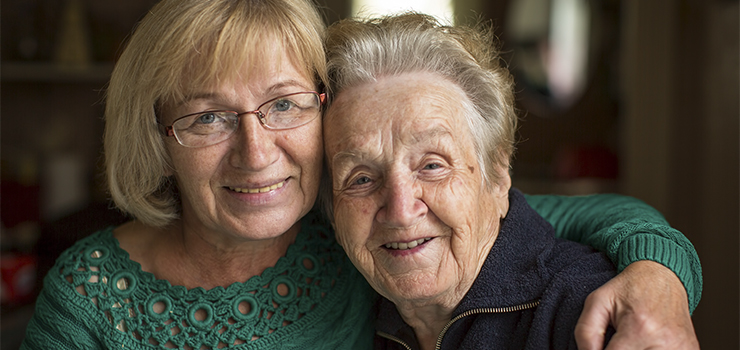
<point x="511" y="275"/>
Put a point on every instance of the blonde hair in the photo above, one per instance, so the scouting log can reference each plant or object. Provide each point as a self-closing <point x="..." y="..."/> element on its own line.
<point x="360" y="51"/>
<point x="178" y="44"/>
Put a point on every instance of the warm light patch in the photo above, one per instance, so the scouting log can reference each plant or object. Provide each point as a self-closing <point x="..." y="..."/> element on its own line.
<point x="442" y="9"/>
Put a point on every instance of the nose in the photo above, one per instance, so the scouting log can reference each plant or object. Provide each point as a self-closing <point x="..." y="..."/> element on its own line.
<point x="403" y="206"/>
<point x="254" y="147"/>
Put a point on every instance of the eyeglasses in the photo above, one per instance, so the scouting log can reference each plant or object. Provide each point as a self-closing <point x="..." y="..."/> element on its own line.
<point x="211" y="127"/>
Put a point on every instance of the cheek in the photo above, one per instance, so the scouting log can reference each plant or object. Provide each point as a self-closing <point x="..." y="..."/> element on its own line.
<point x="455" y="201"/>
<point x="306" y="148"/>
<point x="193" y="164"/>
<point x="353" y="222"/>
<point x="303" y="149"/>
<point x="453" y="191"/>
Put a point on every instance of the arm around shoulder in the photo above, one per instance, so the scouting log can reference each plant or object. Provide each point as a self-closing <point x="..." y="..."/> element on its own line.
<point x="627" y="230"/>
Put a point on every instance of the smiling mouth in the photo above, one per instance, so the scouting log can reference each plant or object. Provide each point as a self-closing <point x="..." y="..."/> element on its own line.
<point x="258" y="190"/>
<point x="407" y="245"/>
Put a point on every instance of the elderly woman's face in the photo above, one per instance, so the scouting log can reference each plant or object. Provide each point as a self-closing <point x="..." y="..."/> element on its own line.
<point x="410" y="205"/>
<point x="258" y="183"/>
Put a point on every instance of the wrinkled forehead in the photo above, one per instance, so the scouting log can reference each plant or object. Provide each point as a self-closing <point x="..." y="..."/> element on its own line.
<point x="394" y="98"/>
<point x="408" y="107"/>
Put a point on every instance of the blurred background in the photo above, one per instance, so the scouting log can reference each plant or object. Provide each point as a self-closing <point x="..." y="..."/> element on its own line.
<point x="634" y="97"/>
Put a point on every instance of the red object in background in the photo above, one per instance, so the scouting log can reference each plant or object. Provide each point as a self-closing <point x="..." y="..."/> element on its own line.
<point x="18" y="273"/>
<point x="19" y="206"/>
<point x="586" y="161"/>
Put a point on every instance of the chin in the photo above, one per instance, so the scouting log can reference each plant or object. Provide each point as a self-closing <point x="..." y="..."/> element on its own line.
<point x="415" y="289"/>
<point x="268" y="225"/>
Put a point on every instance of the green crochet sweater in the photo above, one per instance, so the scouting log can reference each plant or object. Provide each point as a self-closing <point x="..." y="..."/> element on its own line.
<point x="95" y="297"/>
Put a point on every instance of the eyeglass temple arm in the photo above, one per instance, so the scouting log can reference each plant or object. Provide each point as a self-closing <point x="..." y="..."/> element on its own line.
<point x="166" y="130"/>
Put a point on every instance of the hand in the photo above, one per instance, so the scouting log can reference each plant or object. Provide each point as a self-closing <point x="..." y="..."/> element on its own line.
<point x="647" y="305"/>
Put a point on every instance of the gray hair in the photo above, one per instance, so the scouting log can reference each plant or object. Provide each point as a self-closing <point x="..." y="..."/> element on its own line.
<point x="360" y="51"/>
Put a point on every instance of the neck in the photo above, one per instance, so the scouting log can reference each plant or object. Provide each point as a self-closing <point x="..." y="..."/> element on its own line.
<point x="429" y="316"/>
<point x="196" y="259"/>
<point x="427" y="321"/>
<point x="212" y="260"/>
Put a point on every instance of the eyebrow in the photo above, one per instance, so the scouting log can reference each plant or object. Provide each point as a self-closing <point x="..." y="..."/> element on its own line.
<point x="417" y="138"/>
<point x="429" y="134"/>
<point x="272" y="90"/>
<point x="343" y="156"/>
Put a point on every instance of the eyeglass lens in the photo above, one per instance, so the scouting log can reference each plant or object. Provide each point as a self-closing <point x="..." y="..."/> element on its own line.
<point x="284" y="112"/>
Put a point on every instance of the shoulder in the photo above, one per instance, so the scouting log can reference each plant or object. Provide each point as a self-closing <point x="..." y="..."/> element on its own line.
<point x="67" y="273"/>
<point x="576" y="271"/>
<point x="89" y="249"/>
<point x="86" y="262"/>
<point x="81" y="273"/>
<point x="66" y="311"/>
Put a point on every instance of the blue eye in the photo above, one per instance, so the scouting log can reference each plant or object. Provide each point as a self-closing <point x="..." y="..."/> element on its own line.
<point x="206" y="118"/>
<point x="283" y="105"/>
<point x="432" y="166"/>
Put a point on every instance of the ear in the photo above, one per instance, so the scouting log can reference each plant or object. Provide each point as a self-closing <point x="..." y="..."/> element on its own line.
<point x="500" y="186"/>
<point x="502" y="182"/>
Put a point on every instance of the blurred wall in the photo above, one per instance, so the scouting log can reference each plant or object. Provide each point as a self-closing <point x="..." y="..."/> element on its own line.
<point x="681" y="150"/>
<point x="676" y="110"/>
<point x="670" y="107"/>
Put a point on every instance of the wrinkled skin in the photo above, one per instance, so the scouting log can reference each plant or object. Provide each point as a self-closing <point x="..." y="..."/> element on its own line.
<point x="405" y="175"/>
<point x="647" y="305"/>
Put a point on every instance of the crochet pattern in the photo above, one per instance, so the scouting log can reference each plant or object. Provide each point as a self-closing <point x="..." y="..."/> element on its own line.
<point x="308" y="285"/>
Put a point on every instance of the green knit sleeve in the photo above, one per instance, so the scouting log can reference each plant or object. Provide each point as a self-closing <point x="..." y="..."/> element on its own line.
<point x="627" y="230"/>
<point x="55" y="326"/>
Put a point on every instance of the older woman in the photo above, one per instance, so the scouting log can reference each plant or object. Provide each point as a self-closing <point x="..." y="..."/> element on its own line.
<point x="418" y="142"/>
<point x="213" y="145"/>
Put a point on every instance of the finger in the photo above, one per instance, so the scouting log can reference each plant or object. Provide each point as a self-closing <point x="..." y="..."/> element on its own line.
<point x="641" y="331"/>
<point x="593" y="322"/>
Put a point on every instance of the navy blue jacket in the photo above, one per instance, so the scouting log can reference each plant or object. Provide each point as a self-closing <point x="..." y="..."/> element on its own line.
<point x="528" y="295"/>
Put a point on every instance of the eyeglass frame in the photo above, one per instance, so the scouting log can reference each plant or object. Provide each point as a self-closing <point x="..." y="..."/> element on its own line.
<point x="168" y="130"/>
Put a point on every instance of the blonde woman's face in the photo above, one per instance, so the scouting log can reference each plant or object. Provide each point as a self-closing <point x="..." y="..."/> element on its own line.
<point x="258" y="183"/>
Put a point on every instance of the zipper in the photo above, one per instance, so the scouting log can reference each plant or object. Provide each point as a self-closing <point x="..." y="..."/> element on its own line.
<point x="393" y="338"/>
<point x="484" y="310"/>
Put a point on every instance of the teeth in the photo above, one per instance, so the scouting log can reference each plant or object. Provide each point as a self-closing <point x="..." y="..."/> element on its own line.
<point x="258" y="190"/>
<point x="404" y="246"/>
